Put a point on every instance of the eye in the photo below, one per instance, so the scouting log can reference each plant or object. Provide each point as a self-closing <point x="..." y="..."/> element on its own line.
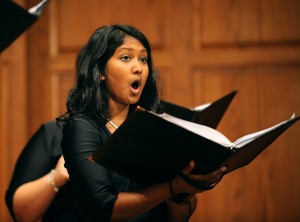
<point x="125" y="58"/>
<point x="144" y="60"/>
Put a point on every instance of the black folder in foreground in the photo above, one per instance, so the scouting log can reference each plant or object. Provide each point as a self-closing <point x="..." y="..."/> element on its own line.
<point x="150" y="148"/>
<point x="14" y="20"/>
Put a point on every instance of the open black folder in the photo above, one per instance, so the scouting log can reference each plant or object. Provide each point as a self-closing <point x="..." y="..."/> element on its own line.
<point x="150" y="148"/>
<point x="209" y="114"/>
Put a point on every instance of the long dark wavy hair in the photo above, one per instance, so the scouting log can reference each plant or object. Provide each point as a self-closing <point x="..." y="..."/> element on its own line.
<point x="89" y="96"/>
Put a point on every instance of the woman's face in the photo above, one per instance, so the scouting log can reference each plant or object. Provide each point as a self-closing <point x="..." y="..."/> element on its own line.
<point x="127" y="72"/>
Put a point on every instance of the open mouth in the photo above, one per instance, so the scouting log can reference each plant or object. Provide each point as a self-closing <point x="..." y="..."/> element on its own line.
<point x="135" y="85"/>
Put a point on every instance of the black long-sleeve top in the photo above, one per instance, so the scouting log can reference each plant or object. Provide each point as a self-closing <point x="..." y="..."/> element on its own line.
<point x="39" y="156"/>
<point x="97" y="187"/>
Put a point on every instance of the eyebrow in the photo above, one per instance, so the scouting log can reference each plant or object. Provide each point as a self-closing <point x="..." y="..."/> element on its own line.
<point x="131" y="49"/>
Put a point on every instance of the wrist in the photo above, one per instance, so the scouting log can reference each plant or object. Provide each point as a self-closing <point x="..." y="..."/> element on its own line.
<point x="51" y="181"/>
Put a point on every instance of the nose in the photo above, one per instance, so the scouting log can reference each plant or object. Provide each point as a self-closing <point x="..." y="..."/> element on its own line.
<point x="137" y="68"/>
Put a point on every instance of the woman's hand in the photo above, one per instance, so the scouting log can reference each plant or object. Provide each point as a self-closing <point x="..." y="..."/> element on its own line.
<point x="179" y="185"/>
<point x="26" y="205"/>
<point x="60" y="174"/>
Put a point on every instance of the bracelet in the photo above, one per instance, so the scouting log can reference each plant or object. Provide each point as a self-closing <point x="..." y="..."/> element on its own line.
<point x="171" y="189"/>
<point x="52" y="182"/>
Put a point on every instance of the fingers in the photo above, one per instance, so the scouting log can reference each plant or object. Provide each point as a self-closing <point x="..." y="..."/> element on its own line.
<point x="188" y="169"/>
<point x="188" y="182"/>
<point x="211" y="178"/>
<point x="215" y="176"/>
<point x="61" y="170"/>
<point x="202" y="181"/>
<point x="61" y="159"/>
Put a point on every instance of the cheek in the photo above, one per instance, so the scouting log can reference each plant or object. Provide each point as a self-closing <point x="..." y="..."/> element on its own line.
<point x="113" y="74"/>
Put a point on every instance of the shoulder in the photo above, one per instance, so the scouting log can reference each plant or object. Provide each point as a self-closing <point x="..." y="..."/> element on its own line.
<point x="53" y="135"/>
<point x="78" y="122"/>
<point x="80" y="131"/>
<point x="82" y="124"/>
<point x="52" y="127"/>
<point x="48" y="130"/>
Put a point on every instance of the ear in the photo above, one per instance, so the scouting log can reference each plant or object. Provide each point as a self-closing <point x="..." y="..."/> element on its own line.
<point x="102" y="77"/>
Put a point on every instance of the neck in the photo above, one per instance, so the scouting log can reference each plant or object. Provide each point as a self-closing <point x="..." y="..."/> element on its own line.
<point x="118" y="114"/>
<point x="117" y="111"/>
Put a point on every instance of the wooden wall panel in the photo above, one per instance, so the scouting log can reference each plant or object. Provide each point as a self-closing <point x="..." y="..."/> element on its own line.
<point x="280" y="21"/>
<point x="61" y="84"/>
<point x="4" y="137"/>
<point x="283" y="197"/>
<point x="88" y="17"/>
<point x="38" y="66"/>
<point x="231" y="23"/>
<point x="250" y="22"/>
<point x="266" y="96"/>
<point x="13" y="113"/>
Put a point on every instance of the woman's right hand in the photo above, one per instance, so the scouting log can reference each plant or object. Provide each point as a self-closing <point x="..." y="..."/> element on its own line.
<point x="179" y="185"/>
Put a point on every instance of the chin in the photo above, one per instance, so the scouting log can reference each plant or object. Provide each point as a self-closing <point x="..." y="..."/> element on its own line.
<point x="134" y="100"/>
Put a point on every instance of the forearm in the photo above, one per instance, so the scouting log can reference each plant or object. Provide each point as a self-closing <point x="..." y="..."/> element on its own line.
<point x="131" y="204"/>
<point x="32" y="199"/>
